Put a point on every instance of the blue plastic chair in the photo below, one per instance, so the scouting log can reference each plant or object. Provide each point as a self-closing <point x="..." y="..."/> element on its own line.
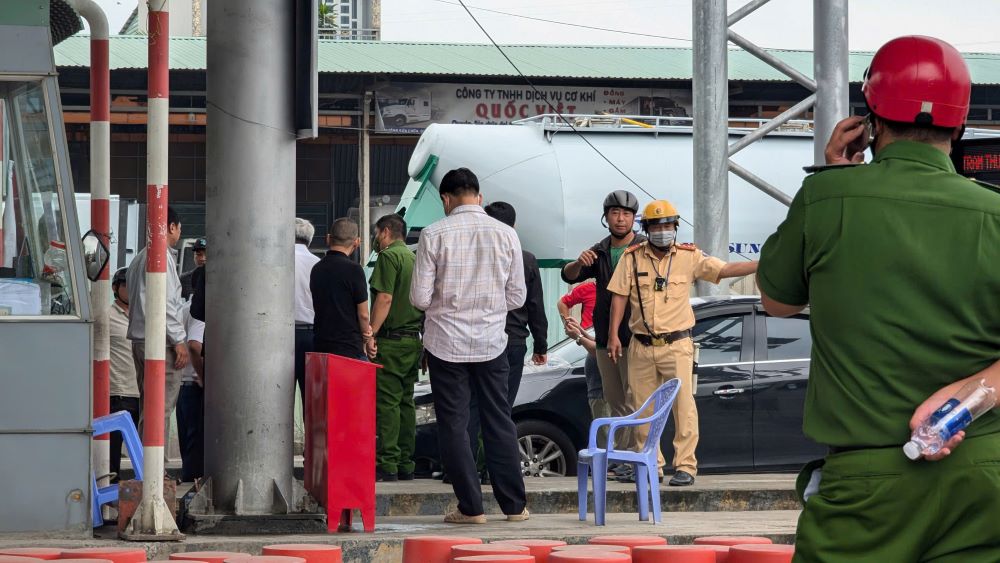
<point x="595" y="460"/>
<point x="120" y="421"/>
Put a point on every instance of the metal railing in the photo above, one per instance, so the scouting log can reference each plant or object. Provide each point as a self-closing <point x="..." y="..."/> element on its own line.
<point x="653" y="124"/>
<point x="349" y="34"/>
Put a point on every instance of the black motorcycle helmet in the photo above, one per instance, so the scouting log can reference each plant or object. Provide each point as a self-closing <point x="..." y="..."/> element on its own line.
<point x="621" y="198"/>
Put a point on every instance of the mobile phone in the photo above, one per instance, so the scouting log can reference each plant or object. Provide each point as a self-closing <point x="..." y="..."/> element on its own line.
<point x="863" y="140"/>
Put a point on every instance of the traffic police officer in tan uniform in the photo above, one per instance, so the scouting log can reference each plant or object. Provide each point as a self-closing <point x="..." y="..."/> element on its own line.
<point x="655" y="279"/>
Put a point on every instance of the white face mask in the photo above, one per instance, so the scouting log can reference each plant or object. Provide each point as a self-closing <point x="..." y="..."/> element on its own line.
<point x="662" y="239"/>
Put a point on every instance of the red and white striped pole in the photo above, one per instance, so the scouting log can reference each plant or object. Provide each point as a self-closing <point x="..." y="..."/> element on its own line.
<point x="100" y="220"/>
<point x="152" y="518"/>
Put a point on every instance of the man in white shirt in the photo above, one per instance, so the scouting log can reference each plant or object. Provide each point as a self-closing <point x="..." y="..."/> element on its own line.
<point x="469" y="273"/>
<point x="176" y="355"/>
<point x="304" y="314"/>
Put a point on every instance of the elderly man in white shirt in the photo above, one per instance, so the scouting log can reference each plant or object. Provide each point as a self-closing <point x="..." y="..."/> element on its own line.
<point x="304" y="314"/>
<point x="469" y="273"/>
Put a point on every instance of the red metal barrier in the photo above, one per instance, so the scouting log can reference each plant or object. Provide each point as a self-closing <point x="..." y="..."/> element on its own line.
<point x="340" y="420"/>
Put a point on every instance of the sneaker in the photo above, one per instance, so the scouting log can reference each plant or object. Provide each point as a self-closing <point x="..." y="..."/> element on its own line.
<point x="524" y="515"/>
<point x="404" y="475"/>
<point x="384" y="476"/>
<point x="681" y="479"/>
<point x="456" y="517"/>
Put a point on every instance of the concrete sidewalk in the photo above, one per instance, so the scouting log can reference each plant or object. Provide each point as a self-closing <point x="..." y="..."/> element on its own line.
<point x="557" y="495"/>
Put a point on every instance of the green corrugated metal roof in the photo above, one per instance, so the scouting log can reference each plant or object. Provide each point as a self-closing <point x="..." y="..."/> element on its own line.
<point x="555" y="61"/>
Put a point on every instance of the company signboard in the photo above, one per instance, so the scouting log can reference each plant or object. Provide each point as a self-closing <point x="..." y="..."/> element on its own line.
<point x="411" y="107"/>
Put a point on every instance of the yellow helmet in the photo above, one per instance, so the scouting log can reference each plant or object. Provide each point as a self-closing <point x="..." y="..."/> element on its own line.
<point x="659" y="211"/>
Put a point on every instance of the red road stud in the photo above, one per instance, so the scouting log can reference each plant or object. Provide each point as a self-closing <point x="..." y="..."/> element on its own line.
<point x="673" y="554"/>
<point x="591" y="556"/>
<point x="540" y="549"/>
<point x="266" y="559"/>
<point x="432" y="549"/>
<point x="627" y="541"/>
<point x="497" y="558"/>
<point x="487" y="549"/>
<point x="113" y="554"/>
<point x="311" y="552"/>
<point x="731" y="540"/>
<point x="19" y="559"/>
<point x="588" y="548"/>
<point x="760" y="553"/>
<point x="36" y="552"/>
<point x="207" y="556"/>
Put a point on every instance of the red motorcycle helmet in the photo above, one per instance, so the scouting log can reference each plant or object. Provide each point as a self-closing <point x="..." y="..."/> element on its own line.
<point x="921" y="80"/>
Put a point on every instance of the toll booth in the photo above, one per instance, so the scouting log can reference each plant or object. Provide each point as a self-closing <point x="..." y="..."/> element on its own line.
<point x="45" y="317"/>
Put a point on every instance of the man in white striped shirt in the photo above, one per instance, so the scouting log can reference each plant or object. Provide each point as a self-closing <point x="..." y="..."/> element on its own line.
<point x="468" y="274"/>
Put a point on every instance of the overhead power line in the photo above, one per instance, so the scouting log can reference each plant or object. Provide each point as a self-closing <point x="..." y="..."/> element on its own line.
<point x="557" y="22"/>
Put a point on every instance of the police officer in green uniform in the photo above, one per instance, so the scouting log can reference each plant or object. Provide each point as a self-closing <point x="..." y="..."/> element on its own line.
<point x="899" y="262"/>
<point x="396" y="325"/>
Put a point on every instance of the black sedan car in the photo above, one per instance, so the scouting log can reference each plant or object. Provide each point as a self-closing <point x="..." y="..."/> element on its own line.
<point x="751" y="383"/>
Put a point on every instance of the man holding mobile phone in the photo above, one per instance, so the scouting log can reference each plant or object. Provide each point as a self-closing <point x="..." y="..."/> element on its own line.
<point x="899" y="262"/>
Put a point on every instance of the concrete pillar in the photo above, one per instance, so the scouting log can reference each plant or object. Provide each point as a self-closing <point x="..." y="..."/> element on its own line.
<point x="250" y="223"/>
<point x="364" y="179"/>
<point x="830" y="66"/>
<point x="711" y="126"/>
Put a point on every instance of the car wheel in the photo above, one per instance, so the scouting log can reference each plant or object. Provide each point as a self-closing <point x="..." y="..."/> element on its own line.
<point x="545" y="450"/>
<point x="399" y="121"/>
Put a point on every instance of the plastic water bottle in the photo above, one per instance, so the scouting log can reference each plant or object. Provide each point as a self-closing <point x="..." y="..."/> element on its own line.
<point x="974" y="399"/>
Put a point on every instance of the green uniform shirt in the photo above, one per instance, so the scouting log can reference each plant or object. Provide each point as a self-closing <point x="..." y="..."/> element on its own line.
<point x="392" y="274"/>
<point x="899" y="261"/>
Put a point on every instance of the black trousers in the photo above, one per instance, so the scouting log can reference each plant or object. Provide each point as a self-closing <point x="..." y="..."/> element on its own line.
<point x="515" y="352"/>
<point x="454" y="386"/>
<point x="133" y="406"/>
<point x="303" y="344"/>
<point x="191" y="430"/>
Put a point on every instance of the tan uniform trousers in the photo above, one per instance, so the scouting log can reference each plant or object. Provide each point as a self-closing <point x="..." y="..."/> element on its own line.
<point x="614" y="379"/>
<point x="652" y="366"/>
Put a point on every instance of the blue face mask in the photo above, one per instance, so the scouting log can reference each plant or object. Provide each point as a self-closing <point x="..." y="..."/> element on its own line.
<point x="662" y="239"/>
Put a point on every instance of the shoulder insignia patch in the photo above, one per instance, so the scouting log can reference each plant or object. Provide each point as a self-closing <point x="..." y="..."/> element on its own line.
<point x="687" y="246"/>
<point x="634" y="247"/>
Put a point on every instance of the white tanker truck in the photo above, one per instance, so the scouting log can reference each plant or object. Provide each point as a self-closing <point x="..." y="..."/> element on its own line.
<point x="556" y="181"/>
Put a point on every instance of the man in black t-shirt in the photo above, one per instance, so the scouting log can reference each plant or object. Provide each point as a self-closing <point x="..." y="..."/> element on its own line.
<point x="340" y="296"/>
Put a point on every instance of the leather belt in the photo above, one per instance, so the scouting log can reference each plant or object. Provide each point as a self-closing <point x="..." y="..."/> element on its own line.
<point x="303" y="326"/>
<point x="662" y="339"/>
<point x="399" y="334"/>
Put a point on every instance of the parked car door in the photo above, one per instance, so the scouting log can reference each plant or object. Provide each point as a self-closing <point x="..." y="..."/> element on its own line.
<point x="724" y="375"/>
<point x="781" y="376"/>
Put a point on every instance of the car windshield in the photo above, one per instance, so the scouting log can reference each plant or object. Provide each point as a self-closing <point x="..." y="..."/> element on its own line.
<point x="566" y="353"/>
